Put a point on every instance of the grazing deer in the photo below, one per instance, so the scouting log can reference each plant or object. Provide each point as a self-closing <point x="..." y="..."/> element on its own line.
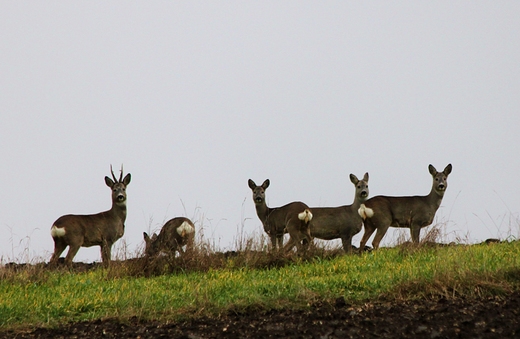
<point x="414" y="212"/>
<point x="102" y="229"/>
<point x="292" y="218"/>
<point x="176" y="233"/>
<point x="341" y="222"/>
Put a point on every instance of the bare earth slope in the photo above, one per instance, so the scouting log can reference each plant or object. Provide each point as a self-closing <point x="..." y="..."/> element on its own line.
<point x="453" y="318"/>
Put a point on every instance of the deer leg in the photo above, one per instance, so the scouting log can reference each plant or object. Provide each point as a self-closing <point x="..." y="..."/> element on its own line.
<point x="290" y="244"/>
<point x="280" y="241"/>
<point x="274" y="242"/>
<point x="59" y="247"/>
<point x="73" y="249"/>
<point x="106" y="253"/>
<point x="346" y="240"/>
<point x="304" y="236"/>
<point x="415" y="232"/>
<point x="293" y="238"/>
<point x="381" y="231"/>
<point x="308" y="235"/>
<point x="298" y="231"/>
<point x="176" y="247"/>
<point x="368" y="233"/>
<point x="307" y="240"/>
<point x="189" y="243"/>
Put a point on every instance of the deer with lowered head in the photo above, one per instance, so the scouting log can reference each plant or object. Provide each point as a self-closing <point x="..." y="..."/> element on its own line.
<point x="175" y="234"/>
<point x="292" y="218"/>
<point x="102" y="229"/>
<point x="341" y="222"/>
<point x="415" y="212"/>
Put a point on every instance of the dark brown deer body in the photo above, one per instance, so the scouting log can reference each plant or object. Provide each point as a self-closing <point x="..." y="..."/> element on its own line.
<point x="414" y="212"/>
<point x="292" y="218"/>
<point x="341" y="222"/>
<point x="175" y="234"/>
<point x="102" y="229"/>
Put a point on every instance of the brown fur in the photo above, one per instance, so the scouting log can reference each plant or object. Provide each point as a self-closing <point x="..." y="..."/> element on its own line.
<point x="341" y="222"/>
<point x="102" y="229"/>
<point x="169" y="239"/>
<point x="412" y="212"/>
<point x="280" y="220"/>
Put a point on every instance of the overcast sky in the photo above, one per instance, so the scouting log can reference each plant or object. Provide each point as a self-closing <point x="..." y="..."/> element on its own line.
<point x="196" y="97"/>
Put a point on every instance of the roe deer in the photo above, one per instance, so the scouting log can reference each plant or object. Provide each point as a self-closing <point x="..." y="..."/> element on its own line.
<point x="414" y="212"/>
<point x="341" y="222"/>
<point x="292" y="218"/>
<point x="102" y="229"/>
<point x="176" y="233"/>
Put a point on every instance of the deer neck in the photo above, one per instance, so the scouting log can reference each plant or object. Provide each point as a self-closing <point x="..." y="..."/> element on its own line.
<point x="435" y="198"/>
<point x="119" y="210"/>
<point x="262" y="211"/>
<point x="358" y="201"/>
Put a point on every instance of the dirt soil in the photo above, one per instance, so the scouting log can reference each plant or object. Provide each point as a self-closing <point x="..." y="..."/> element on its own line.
<point x="443" y="318"/>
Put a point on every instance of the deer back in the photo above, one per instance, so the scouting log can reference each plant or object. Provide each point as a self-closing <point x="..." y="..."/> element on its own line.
<point x="412" y="210"/>
<point x="90" y="230"/>
<point x="278" y="218"/>
<point x="331" y="222"/>
<point x="175" y="233"/>
<point x="100" y="228"/>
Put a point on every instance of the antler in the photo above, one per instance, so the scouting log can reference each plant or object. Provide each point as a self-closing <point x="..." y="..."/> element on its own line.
<point x="121" y="176"/>
<point x="113" y="175"/>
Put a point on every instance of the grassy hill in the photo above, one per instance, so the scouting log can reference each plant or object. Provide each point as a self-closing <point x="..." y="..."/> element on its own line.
<point x="209" y="284"/>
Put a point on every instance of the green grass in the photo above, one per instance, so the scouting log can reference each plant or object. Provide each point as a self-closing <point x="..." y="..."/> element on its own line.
<point x="40" y="297"/>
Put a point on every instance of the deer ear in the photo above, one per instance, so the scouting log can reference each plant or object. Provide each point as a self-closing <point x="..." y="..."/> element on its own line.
<point x="251" y="184"/>
<point x="354" y="179"/>
<point x="127" y="179"/>
<point x="432" y="170"/>
<point x="365" y="177"/>
<point x="447" y="170"/>
<point x="146" y="237"/>
<point x="109" y="182"/>
<point x="266" y="184"/>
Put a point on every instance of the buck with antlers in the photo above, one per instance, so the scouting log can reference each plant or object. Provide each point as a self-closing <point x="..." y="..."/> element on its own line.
<point x="102" y="229"/>
<point x="414" y="212"/>
<point x="292" y="218"/>
<point x="341" y="222"/>
<point x="175" y="234"/>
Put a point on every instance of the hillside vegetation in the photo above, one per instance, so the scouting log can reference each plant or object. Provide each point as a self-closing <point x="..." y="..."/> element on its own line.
<point x="208" y="284"/>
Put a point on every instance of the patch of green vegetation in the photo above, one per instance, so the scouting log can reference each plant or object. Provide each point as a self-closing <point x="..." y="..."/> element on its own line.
<point x="50" y="297"/>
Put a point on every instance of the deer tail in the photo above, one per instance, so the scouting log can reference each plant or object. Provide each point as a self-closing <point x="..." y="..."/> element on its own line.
<point x="365" y="212"/>
<point x="57" y="232"/>
<point x="306" y="215"/>
<point x="185" y="228"/>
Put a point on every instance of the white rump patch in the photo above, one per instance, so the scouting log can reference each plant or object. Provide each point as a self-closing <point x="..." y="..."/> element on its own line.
<point x="305" y="215"/>
<point x="57" y="232"/>
<point x="365" y="212"/>
<point x="185" y="228"/>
